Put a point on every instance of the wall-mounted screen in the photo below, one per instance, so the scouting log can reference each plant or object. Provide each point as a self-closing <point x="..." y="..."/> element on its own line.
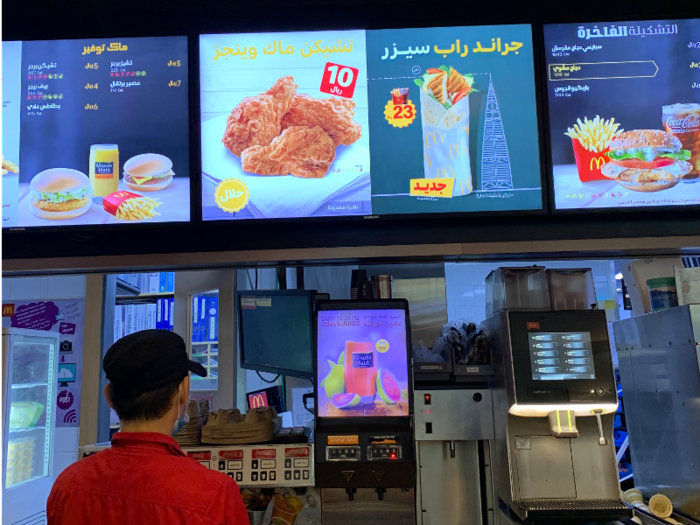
<point x="624" y="111"/>
<point x="292" y="122"/>
<point x="95" y="132"/>
<point x="362" y="363"/>
<point x="560" y="356"/>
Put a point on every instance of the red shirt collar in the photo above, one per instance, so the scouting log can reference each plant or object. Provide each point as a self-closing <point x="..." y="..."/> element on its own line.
<point x="150" y="440"/>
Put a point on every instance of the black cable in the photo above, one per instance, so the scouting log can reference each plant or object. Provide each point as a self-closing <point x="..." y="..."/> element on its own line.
<point x="265" y="380"/>
<point x="256" y="278"/>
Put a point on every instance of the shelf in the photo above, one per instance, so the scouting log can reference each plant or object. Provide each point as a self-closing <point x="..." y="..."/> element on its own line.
<point x="144" y="298"/>
<point x="28" y="429"/>
<point x="628" y="476"/>
<point x="27" y="385"/>
<point x="203" y="355"/>
<point x="126" y="288"/>
<point x="205" y="342"/>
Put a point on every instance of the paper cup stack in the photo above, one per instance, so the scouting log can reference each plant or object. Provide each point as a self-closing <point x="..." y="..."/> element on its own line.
<point x="190" y="435"/>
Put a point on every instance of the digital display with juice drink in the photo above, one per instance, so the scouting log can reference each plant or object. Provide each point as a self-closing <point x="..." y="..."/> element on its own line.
<point x="362" y="366"/>
<point x="95" y="132"/>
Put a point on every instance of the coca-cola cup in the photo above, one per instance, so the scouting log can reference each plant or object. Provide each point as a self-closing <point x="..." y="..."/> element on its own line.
<point x="683" y="121"/>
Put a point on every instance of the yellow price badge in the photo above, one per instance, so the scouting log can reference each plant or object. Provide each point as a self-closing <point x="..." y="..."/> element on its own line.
<point x="432" y="187"/>
<point x="400" y="115"/>
<point x="382" y="346"/>
<point x="231" y="195"/>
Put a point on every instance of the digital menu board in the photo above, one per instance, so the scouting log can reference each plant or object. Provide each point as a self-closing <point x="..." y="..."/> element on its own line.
<point x="453" y="120"/>
<point x="95" y="132"/>
<point x="284" y="125"/>
<point x="362" y="363"/>
<point x="292" y="122"/>
<point x="624" y="112"/>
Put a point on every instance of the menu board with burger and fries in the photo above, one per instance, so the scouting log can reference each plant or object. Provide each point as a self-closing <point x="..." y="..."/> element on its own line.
<point x="95" y="132"/>
<point x="624" y="112"/>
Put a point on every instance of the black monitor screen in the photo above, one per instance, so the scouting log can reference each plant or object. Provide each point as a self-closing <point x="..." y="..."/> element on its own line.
<point x="276" y="331"/>
<point x="559" y="356"/>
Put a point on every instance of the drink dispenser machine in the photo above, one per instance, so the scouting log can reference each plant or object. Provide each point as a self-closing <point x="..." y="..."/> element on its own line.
<point x="554" y="397"/>
<point x="364" y="457"/>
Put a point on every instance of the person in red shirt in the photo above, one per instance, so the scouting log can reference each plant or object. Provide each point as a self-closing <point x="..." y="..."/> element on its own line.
<point x="145" y="478"/>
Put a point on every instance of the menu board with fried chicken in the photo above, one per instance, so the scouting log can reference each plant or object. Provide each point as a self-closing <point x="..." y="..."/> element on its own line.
<point x="624" y="112"/>
<point x="292" y="122"/>
<point x="284" y="125"/>
<point x="95" y="132"/>
<point x="453" y="120"/>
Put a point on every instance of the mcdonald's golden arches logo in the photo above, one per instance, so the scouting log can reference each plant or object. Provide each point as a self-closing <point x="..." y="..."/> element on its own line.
<point x="599" y="162"/>
<point x="258" y="400"/>
<point x="8" y="310"/>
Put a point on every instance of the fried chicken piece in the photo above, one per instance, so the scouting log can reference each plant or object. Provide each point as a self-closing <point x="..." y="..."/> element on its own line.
<point x="302" y="151"/>
<point x="334" y="115"/>
<point x="255" y="121"/>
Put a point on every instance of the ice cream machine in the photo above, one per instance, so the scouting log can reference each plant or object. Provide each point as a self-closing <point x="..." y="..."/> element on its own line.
<point x="554" y="399"/>
<point x="364" y="453"/>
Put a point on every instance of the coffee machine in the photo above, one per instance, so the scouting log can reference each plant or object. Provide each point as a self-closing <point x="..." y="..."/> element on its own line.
<point x="554" y="398"/>
<point x="364" y="454"/>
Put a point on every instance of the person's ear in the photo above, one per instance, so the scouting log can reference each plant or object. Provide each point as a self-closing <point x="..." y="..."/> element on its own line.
<point x="108" y="395"/>
<point x="185" y="391"/>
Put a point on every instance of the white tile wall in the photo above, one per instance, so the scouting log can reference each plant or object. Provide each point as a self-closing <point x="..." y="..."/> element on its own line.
<point x="466" y="291"/>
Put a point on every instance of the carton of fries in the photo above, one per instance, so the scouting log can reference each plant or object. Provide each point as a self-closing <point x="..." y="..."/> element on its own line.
<point x="130" y="206"/>
<point x="591" y="140"/>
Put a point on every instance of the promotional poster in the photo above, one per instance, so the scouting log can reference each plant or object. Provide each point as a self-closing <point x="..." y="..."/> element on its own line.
<point x="95" y="132"/>
<point x="284" y="125"/>
<point x="67" y="318"/>
<point x="362" y="363"/>
<point x="453" y="120"/>
<point x="624" y="111"/>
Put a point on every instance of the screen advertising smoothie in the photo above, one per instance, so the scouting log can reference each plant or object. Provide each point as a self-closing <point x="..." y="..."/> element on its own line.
<point x="624" y="112"/>
<point x="362" y="363"/>
<point x="95" y="132"/>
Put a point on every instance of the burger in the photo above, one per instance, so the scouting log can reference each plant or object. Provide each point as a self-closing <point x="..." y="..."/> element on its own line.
<point x="59" y="194"/>
<point x="646" y="160"/>
<point x="148" y="172"/>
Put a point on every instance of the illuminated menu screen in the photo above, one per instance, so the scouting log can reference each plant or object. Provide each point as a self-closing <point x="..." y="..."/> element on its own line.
<point x="624" y="111"/>
<point x="95" y="132"/>
<point x="362" y="363"/>
<point x="343" y="123"/>
<point x="559" y="356"/>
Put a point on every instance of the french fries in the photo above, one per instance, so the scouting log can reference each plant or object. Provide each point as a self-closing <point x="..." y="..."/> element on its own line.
<point x="594" y="135"/>
<point x="8" y="166"/>
<point x="138" y="209"/>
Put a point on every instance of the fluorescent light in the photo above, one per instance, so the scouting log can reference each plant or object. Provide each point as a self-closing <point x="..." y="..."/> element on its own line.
<point x="618" y="276"/>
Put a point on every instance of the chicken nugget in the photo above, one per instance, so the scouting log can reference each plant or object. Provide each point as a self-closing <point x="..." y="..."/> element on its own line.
<point x="255" y="121"/>
<point x="334" y="115"/>
<point x="302" y="151"/>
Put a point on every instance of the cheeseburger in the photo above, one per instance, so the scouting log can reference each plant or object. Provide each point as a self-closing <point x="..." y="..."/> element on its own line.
<point x="148" y="172"/>
<point x="646" y="160"/>
<point x="60" y="193"/>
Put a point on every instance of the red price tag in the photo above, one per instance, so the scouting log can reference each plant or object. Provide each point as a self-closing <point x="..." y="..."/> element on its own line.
<point x="339" y="80"/>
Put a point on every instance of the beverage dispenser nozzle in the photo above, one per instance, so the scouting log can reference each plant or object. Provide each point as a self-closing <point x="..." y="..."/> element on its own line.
<point x="452" y="449"/>
<point x="601" y="438"/>
<point x="351" y="493"/>
<point x="380" y="493"/>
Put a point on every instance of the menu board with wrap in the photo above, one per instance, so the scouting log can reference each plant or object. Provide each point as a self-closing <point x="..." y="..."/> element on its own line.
<point x="359" y="123"/>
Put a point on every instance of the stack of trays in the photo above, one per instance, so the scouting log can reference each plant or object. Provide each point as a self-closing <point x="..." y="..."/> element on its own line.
<point x="230" y="427"/>
<point x="190" y="435"/>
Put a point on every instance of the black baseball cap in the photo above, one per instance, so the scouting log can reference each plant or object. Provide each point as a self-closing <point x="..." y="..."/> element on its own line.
<point x="148" y="360"/>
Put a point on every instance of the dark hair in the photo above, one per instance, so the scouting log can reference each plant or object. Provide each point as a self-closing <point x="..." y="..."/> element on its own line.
<point x="148" y="406"/>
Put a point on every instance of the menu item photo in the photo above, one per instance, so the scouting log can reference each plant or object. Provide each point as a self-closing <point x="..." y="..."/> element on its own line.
<point x="453" y="120"/>
<point x="284" y="125"/>
<point x="624" y="110"/>
<point x="74" y="111"/>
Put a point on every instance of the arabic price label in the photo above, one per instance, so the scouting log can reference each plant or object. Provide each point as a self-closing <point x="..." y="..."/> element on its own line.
<point x="339" y="80"/>
<point x="382" y="346"/>
<point x="231" y="195"/>
<point x="400" y="115"/>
